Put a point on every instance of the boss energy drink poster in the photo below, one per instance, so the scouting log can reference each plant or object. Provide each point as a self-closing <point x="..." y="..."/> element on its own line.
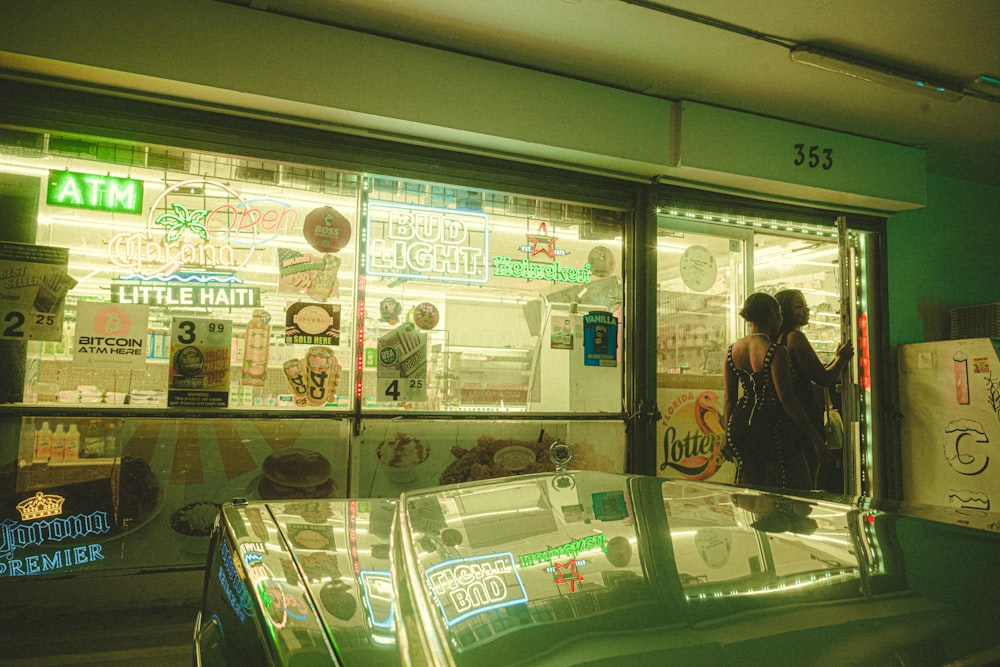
<point x="690" y="435"/>
<point x="199" y="362"/>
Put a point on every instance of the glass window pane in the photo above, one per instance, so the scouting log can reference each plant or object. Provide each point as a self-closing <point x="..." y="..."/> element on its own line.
<point x="484" y="301"/>
<point x="810" y="265"/>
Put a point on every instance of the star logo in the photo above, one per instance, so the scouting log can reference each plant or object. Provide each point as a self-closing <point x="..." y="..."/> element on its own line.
<point x="568" y="575"/>
<point x="542" y="242"/>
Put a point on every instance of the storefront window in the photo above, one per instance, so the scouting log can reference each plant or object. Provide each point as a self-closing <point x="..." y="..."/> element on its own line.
<point x="482" y="301"/>
<point x="214" y="281"/>
<point x="200" y="280"/>
<point x="197" y="327"/>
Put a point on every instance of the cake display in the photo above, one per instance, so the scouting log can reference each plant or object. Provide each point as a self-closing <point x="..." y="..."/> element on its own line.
<point x="493" y="457"/>
<point x="138" y="491"/>
<point x="195" y="519"/>
<point x="295" y="473"/>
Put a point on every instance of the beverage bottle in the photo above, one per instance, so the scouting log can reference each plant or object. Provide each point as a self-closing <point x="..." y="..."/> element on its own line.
<point x="72" y="448"/>
<point x="93" y="441"/>
<point x="58" y="444"/>
<point x="111" y="440"/>
<point x="43" y="443"/>
<point x="255" y="354"/>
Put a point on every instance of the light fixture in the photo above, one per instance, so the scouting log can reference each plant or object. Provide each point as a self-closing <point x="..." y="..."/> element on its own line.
<point x="831" y="62"/>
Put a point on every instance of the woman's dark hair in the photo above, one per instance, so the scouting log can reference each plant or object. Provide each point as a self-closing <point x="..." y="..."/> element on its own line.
<point x="784" y="299"/>
<point x="761" y="308"/>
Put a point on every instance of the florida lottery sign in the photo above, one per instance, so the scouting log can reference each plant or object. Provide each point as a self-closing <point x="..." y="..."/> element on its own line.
<point x="691" y="434"/>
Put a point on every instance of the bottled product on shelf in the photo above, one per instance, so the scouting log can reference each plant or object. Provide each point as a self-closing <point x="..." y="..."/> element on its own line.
<point x="58" y="444"/>
<point x="255" y="354"/>
<point x="43" y="443"/>
<point x="72" y="447"/>
<point x="93" y="441"/>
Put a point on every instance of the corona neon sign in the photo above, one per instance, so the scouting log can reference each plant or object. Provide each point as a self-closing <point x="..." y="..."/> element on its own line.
<point x="222" y="236"/>
<point x="41" y="524"/>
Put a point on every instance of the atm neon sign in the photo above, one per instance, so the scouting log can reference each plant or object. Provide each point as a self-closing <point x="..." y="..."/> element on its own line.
<point x="94" y="192"/>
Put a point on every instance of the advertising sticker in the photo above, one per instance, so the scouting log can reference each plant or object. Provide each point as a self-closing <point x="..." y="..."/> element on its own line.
<point x="199" y="362"/>
<point x="562" y="332"/>
<point x="600" y="339"/>
<point x="111" y="336"/>
<point x="312" y="324"/>
<point x="33" y="286"/>
<point x="402" y="364"/>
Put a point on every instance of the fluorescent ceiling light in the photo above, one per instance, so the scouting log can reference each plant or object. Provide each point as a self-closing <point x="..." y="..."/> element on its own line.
<point x="876" y="74"/>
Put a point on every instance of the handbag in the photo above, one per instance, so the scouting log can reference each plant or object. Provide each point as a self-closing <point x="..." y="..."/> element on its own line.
<point x="833" y="424"/>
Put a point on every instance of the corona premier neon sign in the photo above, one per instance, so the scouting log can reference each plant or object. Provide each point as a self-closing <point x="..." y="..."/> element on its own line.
<point x="42" y="524"/>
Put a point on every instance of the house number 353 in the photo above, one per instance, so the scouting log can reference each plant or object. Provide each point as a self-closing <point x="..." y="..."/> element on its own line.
<point x="813" y="157"/>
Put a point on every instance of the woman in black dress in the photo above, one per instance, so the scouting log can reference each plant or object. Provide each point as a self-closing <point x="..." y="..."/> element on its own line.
<point x="810" y="375"/>
<point x="761" y="410"/>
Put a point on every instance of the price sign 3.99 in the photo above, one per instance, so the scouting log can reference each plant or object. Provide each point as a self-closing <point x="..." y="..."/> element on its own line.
<point x="199" y="362"/>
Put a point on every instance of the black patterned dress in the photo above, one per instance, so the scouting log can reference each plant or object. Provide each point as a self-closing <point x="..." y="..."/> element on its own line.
<point x="758" y="428"/>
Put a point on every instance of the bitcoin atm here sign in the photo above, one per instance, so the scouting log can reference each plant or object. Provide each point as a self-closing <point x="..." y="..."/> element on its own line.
<point x="111" y="336"/>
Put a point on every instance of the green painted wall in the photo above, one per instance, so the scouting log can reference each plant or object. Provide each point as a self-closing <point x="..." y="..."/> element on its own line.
<point x="942" y="256"/>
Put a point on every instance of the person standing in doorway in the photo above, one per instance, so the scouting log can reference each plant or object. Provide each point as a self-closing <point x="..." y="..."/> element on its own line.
<point x="809" y="377"/>
<point x="762" y="411"/>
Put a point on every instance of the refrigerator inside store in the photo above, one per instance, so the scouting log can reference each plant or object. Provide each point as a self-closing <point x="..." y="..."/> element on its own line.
<point x="707" y="264"/>
<point x="949" y="401"/>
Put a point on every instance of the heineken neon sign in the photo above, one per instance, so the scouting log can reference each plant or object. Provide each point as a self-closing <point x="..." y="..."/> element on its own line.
<point x="508" y="267"/>
<point x="94" y="192"/>
<point x="541" y="242"/>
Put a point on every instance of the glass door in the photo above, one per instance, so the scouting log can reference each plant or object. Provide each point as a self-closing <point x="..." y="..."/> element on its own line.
<point x="700" y="285"/>
<point x="707" y="263"/>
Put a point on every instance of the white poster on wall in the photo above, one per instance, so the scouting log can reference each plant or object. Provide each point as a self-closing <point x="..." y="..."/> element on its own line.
<point x="111" y="335"/>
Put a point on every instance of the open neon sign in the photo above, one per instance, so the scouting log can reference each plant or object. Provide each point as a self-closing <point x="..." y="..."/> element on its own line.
<point x="220" y="236"/>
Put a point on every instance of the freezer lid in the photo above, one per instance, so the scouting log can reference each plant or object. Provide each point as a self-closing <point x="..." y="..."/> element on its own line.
<point x="584" y="567"/>
<point x="319" y="569"/>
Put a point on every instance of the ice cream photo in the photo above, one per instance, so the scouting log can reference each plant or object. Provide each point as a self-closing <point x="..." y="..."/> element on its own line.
<point x="402" y="455"/>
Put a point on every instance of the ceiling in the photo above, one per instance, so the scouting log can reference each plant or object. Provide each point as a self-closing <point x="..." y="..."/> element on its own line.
<point x="735" y="54"/>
